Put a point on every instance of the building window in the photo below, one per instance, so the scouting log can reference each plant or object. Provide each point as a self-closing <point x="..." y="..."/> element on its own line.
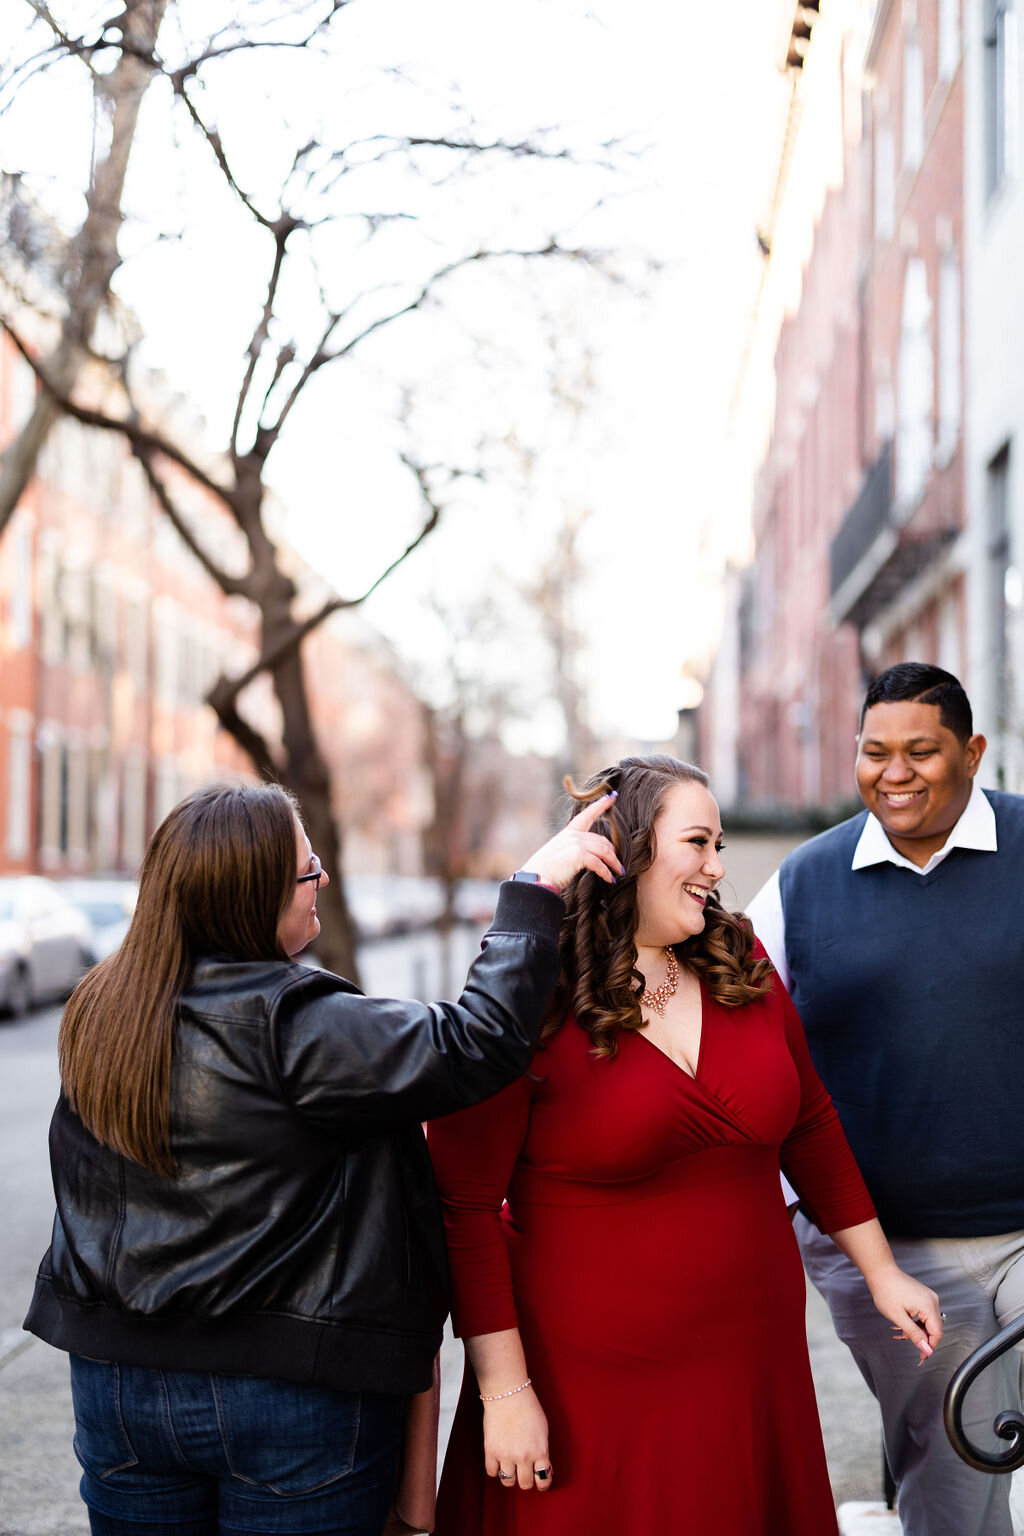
<point x="19" y="785"/>
<point x="167" y="790"/>
<point x="167" y="658"/>
<point x="885" y="182"/>
<point x="74" y="597"/>
<point x="104" y="827"/>
<point x="950" y="401"/>
<point x="104" y="603"/>
<point x="998" y="562"/>
<point x="77" y="816"/>
<point x="949" y="38"/>
<point x="949" y="653"/>
<point x="133" y="808"/>
<point x="51" y="793"/>
<point x="52" y="637"/>
<point x="1000" y="91"/>
<point x="136" y="640"/>
<point x="913" y="104"/>
<point x="916" y="387"/>
<point x="20" y="627"/>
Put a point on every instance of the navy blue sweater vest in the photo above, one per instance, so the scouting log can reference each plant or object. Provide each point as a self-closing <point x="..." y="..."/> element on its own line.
<point x="911" y="991"/>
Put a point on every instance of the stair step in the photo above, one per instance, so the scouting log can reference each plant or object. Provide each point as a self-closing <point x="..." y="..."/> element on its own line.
<point x="874" y="1519"/>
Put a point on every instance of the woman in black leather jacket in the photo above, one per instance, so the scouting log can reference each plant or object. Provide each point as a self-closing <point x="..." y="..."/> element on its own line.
<point x="248" y="1267"/>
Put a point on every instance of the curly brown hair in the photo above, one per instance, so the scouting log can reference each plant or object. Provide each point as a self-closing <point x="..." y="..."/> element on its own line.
<point x="599" y="980"/>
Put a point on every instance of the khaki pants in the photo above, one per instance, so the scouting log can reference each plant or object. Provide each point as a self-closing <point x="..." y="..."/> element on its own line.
<point x="980" y="1284"/>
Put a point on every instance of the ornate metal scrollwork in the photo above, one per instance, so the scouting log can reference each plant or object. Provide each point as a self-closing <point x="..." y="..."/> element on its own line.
<point x="1008" y="1425"/>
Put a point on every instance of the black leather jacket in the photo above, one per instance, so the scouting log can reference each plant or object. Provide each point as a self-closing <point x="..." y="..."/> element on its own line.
<point x="301" y="1237"/>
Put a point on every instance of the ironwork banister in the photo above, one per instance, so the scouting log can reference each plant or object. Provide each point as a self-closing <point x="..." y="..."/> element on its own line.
<point x="1008" y="1425"/>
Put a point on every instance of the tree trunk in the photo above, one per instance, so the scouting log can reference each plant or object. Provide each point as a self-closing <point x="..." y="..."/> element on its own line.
<point x="305" y="773"/>
<point x="94" y="257"/>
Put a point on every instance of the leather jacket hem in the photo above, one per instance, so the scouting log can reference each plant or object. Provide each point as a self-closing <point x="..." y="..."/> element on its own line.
<point x="341" y="1356"/>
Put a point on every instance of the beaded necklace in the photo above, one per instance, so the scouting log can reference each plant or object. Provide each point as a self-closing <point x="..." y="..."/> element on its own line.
<point x="658" y="999"/>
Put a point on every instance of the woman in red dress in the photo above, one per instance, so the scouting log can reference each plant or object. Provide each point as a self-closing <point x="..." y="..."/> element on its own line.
<point x="625" y="1274"/>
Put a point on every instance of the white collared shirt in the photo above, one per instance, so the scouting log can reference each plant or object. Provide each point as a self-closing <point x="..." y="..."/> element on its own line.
<point x="975" y="829"/>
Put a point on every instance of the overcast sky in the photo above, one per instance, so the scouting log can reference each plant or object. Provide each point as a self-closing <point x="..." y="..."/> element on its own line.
<point x="699" y="88"/>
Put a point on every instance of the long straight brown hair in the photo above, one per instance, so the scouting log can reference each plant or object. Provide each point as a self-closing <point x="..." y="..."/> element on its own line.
<point x="217" y="877"/>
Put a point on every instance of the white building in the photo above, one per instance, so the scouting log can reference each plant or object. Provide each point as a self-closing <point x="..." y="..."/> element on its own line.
<point x="994" y="335"/>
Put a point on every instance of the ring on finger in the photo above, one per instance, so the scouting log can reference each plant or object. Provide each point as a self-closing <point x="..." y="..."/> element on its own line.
<point x="506" y="1477"/>
<point x="542" y="1473"/>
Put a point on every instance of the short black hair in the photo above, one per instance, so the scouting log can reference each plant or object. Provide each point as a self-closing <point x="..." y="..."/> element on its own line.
<point x="919" y="683"/>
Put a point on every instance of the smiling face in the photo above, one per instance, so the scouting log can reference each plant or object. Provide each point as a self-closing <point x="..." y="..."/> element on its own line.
<point x="671" y="895"/>
<point x="915" y="775"/>
<point x="299" y="923"/>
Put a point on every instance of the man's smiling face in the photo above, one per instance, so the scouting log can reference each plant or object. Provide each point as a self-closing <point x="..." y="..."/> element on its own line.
<point x="915" y="775"/>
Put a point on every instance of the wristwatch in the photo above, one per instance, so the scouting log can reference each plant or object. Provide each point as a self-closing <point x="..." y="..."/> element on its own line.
<point x="531" y="877"/>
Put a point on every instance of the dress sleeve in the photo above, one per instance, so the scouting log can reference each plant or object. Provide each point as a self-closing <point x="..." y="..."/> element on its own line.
<point x="474" y="1153"/>
<point x="816" y="1156"/>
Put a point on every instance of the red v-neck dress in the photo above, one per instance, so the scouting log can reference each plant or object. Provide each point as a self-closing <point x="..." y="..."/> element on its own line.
<point x="646" y="1255"/>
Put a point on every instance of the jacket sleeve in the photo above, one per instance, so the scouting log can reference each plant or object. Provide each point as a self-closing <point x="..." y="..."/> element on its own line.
<point x="474" y="1154"/>
<point x="816" y="1156"/>
<point x="348" y="1062"/>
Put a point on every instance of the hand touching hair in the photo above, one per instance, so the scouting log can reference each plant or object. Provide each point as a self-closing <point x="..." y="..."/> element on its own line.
<point x="598" y="977"/>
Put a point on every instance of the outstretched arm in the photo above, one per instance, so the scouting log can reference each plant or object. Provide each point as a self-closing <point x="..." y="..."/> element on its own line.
<point x="345" y="1059"/>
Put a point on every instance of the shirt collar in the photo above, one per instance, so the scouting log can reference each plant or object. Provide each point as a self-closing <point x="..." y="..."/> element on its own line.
<point x="976" y="829"/>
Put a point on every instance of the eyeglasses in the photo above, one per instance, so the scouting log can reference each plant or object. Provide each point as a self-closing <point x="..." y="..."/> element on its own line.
<point x="315" y="874"/>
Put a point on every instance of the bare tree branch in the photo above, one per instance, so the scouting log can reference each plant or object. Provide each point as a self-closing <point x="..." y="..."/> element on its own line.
<point x="518" y="149"/>
<point x="321" y="357"/>
<point x="75" y="45"/>
<point x="225" y="50"/>
<point x="251" y="43"/>
<point x="262" y="330"/>
<point x="231" y="586"/>
<point x="122" y="56"/>
<point x="213" y="138"/>
<point x="276" y="654"/>
<point x="222" y="700"/>
<point x="552" y="248"/>
<point x="138" y="437"/>
<point x="93" y="256"/>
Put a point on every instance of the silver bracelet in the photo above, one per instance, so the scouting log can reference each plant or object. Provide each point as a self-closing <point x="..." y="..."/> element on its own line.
<point x="497" y="1396"/>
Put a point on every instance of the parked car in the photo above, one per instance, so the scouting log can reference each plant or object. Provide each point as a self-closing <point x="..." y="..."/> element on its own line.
<point x="371" y="911"/>
<point x="475" y="900"/>
<point x="108" y="904"/>
<point x="45" y="942"/>
<point x="384" y="905"/>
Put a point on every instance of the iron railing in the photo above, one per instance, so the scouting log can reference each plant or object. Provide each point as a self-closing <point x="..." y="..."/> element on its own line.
<point x="1008" y="1425"/>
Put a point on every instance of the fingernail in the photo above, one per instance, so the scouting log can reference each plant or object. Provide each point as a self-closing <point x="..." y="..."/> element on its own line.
<point x="615" y="794"/>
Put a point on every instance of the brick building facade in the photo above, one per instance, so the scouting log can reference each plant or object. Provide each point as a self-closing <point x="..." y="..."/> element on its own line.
<point x="111" y="633"/>
<point x="857" y="504"/>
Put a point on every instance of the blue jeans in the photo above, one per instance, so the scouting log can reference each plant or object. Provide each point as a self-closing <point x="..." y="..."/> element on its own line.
<point x="182" y="1453"/>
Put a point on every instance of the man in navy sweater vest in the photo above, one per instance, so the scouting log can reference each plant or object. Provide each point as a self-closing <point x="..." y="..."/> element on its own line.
<point x="900" y="935"/>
